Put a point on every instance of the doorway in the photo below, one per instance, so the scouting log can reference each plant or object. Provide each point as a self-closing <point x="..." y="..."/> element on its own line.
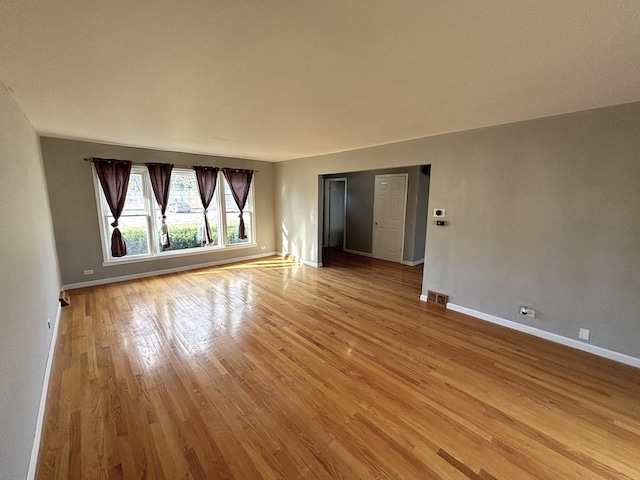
<point x="335" y="213"/>
<point x="389" y="215"/>
<point x="358" y="232"/>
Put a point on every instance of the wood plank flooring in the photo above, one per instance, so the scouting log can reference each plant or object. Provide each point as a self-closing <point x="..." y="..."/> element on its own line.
<point x="272" y="370"/>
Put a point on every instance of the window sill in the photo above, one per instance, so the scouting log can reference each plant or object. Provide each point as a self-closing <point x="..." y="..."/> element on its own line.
<point x="179" y="253"/>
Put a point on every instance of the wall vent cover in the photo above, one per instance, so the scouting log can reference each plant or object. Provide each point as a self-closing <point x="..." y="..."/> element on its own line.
<point x="439" y="299"/>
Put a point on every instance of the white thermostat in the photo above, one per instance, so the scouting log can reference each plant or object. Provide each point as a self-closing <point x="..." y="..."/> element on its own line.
<point x="438" y="212"/>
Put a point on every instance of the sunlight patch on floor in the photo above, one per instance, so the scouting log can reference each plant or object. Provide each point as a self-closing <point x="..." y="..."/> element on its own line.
<point x="279" y="264"/>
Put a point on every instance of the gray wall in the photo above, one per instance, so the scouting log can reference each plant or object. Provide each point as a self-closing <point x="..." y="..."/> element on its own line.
<point x="543" y="213"/>
<point x="75" y="217"/>
<point x="360" y="197"/>
<point x="422" y="208"/>
<point x="29" y="286"/>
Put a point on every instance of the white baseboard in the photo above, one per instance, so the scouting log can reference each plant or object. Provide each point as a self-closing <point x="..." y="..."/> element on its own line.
<point x="299" y="260"/>
<point x="358" y="252"/>
<point x="413" y="264"/>
<point x="310" y="263"/>
<point x="35" y="449"/>
<point x="553" y="337"/>
<point x="370" y="255"/>
<point x="154" y="273"/>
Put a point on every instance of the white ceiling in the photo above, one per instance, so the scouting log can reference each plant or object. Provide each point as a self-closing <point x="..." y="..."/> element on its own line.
<point x="277" y="79"/>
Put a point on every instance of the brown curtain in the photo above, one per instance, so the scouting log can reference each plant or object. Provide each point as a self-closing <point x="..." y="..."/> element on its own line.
<point x="207" y="178"/>
<point x="160" y="176"/>
<point x="114" y="180"/>
<point x="239" y="181"/>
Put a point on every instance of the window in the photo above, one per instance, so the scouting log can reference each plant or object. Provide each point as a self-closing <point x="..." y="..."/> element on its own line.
<point x="185" y="212"/>
<point x="140" y="220"/>
<point x="233" y="216"/>
<point x="134" y="222"/>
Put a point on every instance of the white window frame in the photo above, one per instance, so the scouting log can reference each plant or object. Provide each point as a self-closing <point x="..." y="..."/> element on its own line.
<point x="153" y="222"/>
<point x="223" y="205"/>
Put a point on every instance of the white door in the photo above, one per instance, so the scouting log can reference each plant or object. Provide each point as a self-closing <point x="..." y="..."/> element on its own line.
<point x="389" y="207"/>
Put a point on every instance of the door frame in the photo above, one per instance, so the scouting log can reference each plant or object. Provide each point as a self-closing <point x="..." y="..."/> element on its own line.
<point x="404" y="211"/>
<point x="326" y="220"/>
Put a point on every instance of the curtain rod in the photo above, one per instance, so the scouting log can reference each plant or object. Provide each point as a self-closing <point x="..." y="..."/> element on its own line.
<point x="142" y="164"/>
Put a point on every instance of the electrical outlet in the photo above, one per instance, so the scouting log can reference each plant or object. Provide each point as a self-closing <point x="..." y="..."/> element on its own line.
<point x="526" y="311"/>
<point x="584" y="334"/>
<point x="263" y="247"/>
<point x="88" y="272"/>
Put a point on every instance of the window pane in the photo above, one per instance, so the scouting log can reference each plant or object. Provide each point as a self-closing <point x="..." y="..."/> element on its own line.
<point x="134" y="231"/>
<point x="185" y="212"/>
<point x="134" y="204"/>
<point x="233" y="223"/>
<point x="229" y="201"/>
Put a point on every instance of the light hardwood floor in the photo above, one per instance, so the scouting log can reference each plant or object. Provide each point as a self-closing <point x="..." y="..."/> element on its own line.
<point x="271" y="370"/>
